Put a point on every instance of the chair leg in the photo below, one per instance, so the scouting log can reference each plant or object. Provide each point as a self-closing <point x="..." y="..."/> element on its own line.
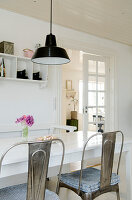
<point x="90" y="196"/>
<point x="57" y="189"/>
<point x="87" y="197"/>
<point x="118" y="194"/>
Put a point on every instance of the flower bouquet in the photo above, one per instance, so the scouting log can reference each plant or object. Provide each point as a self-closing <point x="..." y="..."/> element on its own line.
<point x="26" y="121"/>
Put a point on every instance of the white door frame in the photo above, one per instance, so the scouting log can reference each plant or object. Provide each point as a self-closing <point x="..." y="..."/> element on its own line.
<point x="113" y="89"/>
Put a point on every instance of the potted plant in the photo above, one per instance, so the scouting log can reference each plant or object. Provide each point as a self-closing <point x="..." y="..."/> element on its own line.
<point x="74" y="112"/>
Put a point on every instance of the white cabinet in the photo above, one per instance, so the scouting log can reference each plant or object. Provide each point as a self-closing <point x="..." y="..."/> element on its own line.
<point x="16" y="63"/>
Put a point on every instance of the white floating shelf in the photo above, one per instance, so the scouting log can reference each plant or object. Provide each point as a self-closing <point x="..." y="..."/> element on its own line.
<point x="17" y="63"/>
<point x="70" y="93"/>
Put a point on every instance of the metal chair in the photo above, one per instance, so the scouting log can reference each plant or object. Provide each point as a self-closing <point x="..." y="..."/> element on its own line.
<point x="90" y="183"/>
<point x="38" y="160"/>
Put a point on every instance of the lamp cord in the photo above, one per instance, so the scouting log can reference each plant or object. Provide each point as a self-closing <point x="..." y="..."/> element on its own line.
<point x="51" y="10"/>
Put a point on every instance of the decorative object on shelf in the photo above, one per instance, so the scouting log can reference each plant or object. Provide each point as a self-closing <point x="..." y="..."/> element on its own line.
<point x="72" y="122"/>
<point x="2" y="68"/>
<point x="22" y="74"/>
<point x="69" y="84"/>
<point x="26" y="121"/>
<point x="36" y="76"/>
<point x="37" y="46"/>
<point x="28" y="53"/>
<point x="74" y="113"/>
<point x="70" y="93"/>
<point x="50" y="54"/>
<point x="7" y="47"/>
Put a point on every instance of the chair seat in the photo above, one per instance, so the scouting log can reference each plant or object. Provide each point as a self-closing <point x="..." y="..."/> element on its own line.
<point x="90" y="179"/>
<point x="18" y="192"/>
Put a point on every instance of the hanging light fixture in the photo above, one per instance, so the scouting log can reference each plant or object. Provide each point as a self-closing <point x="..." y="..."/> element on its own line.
<point x="50" y="54"/>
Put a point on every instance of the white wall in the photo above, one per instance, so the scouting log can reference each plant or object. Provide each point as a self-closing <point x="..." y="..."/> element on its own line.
<point x="25" y="32"/>
<point x="18" y="98"/>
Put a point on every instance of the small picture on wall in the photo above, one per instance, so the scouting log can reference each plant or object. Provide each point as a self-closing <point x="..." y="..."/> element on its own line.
<point x="69" y="84"/>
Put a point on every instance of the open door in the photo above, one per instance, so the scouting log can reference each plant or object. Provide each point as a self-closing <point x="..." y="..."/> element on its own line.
<point x="95" y="93"/>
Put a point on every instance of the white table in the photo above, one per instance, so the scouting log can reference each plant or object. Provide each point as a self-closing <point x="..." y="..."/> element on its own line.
<point x="15" y="163"/>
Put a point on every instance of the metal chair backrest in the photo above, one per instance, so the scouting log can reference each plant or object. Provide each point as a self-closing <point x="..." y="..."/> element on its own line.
<point x="38" y="161"/>
<point x="107" y="157"/>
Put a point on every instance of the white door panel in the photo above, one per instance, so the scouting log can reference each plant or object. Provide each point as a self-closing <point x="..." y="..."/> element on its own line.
<point x="95" y="88"/>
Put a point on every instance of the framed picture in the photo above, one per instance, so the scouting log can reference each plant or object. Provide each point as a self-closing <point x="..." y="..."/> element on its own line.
<point x="69" y="84"/>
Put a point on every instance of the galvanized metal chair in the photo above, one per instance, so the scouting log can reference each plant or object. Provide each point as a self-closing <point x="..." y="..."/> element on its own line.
<point x="90" y="183"/>
<point x="38" y="160"/>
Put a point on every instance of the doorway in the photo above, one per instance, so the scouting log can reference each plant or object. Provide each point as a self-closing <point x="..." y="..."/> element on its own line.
<point x="72" y="73"/>
<point x="86" y="92"/>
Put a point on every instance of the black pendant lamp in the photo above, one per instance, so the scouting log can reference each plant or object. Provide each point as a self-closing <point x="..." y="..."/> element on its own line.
<point x="50" y="54"/>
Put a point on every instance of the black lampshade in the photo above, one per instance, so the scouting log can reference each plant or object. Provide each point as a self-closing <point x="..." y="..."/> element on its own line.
<point x="50" y="54"/>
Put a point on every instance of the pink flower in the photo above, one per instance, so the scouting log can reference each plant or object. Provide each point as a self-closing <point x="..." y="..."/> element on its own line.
<point x="28" y="120"/>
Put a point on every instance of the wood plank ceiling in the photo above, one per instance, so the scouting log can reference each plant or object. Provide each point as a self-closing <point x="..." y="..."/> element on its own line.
<point x="111" y="19"/>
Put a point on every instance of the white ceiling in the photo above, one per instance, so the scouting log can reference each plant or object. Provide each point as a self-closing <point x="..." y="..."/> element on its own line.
<point x="110" y="19"/>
